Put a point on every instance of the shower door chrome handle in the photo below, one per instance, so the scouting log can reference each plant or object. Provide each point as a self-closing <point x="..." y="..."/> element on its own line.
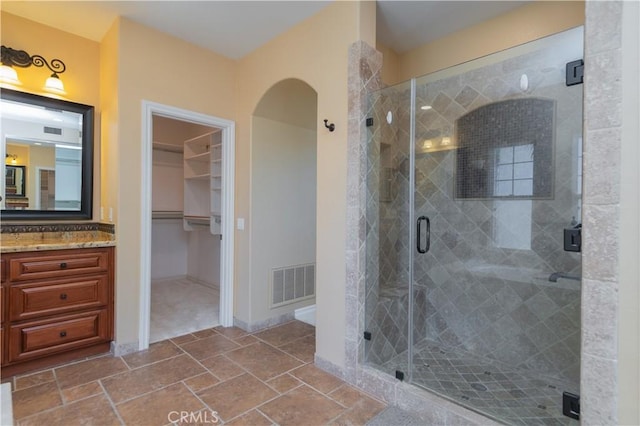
<point x="428" y="236"/>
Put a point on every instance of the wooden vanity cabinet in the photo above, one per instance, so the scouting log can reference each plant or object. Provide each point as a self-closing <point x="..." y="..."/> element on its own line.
<point x="57" y="306"/>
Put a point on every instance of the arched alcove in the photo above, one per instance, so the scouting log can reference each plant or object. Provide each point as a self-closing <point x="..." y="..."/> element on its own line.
<point x="283" y="200"/>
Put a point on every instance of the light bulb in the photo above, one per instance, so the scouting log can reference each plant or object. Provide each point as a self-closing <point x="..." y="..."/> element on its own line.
<point x="8" y="75"/>
<point x="54" y="84"/>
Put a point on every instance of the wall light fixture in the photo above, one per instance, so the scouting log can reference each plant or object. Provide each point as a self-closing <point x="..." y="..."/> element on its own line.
<point x="19" y="58"/>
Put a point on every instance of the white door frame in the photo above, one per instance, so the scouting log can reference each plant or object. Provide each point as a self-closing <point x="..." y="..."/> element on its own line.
<point x="227" y="244"/>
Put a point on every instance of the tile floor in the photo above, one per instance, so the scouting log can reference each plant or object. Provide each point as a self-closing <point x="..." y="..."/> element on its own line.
<point x="213" y="376"/>
<point x="506" y="394"/>
<point x="180" y="306"/>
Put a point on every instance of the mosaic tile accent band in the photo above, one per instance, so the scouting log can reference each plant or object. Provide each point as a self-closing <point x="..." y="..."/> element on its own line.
<point x="8" y="228"/>
<point x="505" y="149"/>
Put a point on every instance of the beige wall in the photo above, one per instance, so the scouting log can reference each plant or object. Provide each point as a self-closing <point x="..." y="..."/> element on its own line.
<point x="314" y="51"/>
<point x="629" y="269"/>
<point x="81" y="78"/>
<point x="80" y="55"/>
<point x="390" y="73"/>
<point x="283" y="207"/>
<point x="156" y="67"/>
<point x="526" y="23"/>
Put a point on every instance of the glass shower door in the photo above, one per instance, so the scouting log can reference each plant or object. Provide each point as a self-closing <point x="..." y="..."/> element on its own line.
<point x="495" y="295"/>
<point x="388" y="229"/>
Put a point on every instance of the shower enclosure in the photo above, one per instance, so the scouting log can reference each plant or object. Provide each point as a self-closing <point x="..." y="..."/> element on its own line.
<point x="473" y="225"/>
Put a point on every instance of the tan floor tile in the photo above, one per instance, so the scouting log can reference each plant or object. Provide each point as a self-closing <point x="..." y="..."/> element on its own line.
<point x="317" y="378"/>
<point x="80" y="392"/>
<point x="160" y="407"/>
<point x="204" y="333"/>
<point x="34" y="379"/>
<point x="304" y="348"/>
<point x="209" y="346"/>
<point x="89" y="371"/>
<point x="363" y="411"/>
<point x="264" y="361"/>
<point x="237" y="395"/>
<point x="347" y="395"/>
<point x="252" y="418"/>
<point x="151" y="377"/>
<point x="156" y="352"/>
<point x="246" y="340"/>
<point x="285" y="333"/>
<point x="284" y="383"/>
<point x="34" y="399"/>
<point x="231" y="332"/>
<point x="222" y="367"/>
<point x="183" y="339"/>
<point x="302" y="406"/>
<point x="91" y="411"/>
<point x="201" y="382"/>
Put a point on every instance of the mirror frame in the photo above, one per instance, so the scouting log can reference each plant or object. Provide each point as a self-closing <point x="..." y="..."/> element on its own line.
<point x="24" y="180"/>
<point x="86" y="192"/>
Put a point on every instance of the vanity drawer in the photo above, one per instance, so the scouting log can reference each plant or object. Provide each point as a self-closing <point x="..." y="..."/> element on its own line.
<point x="58" y="296"/>
<point x="3" y="270"/>
<point x="73" y="262"/>
<point x="40" y="338"/>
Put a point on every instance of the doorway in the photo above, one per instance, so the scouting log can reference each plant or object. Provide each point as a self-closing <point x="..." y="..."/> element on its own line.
<point x="283" y="203"/>
<point x="218" y="223"/>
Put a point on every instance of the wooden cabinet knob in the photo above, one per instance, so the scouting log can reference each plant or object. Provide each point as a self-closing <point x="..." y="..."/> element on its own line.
<point x="63" y="296"/>
<point x="63" y="334"/>
<point x="63" y="265"/>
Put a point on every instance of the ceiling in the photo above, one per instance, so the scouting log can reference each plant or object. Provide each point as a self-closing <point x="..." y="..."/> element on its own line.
<point x="236" y="28"/>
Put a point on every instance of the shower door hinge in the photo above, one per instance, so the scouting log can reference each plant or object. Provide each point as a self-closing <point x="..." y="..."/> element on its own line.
<point x="575" y="72"/>
<point x="571" y="405"/>
<point x="369" y="122"/>
<point x="400" y="375"/>
<point x="367" y="335"/>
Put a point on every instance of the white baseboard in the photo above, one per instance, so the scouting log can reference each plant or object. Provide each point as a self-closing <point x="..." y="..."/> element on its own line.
<point x="307" y="314"/>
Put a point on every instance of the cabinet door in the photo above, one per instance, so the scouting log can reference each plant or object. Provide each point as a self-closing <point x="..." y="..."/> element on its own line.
<point x="43" y="298"/>
<point x="40" y="338"/>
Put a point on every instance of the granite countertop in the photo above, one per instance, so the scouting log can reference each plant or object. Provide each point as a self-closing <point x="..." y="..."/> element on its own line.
<point x="39" y="241"/>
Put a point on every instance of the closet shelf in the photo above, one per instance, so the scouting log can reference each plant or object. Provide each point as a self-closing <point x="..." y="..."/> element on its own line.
<point x="202" y="158"/>
<point x="198" y="177"/>
<point x="167" y="147"/>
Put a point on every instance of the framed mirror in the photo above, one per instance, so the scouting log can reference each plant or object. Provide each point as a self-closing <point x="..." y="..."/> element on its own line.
<point x="48" y="150"/>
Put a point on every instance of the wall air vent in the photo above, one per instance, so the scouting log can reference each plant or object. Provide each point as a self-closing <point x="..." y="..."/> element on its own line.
<point x="52" y="130"/>
<point x="292" y="284"/>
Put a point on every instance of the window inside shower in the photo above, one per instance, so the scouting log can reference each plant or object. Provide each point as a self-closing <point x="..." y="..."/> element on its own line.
<point x="469" y="292"/>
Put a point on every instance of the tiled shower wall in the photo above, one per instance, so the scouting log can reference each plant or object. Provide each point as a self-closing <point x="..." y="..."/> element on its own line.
<point x="484" y="286"/>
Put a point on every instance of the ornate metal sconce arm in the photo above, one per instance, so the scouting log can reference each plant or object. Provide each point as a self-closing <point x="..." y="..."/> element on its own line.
<point x="20" y="58"/>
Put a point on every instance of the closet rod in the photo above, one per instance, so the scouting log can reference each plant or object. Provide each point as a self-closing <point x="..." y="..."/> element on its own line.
<point x="164" y="214"/>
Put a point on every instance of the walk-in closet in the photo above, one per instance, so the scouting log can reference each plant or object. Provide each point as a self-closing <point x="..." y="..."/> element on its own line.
<point x="185" y="230"/>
